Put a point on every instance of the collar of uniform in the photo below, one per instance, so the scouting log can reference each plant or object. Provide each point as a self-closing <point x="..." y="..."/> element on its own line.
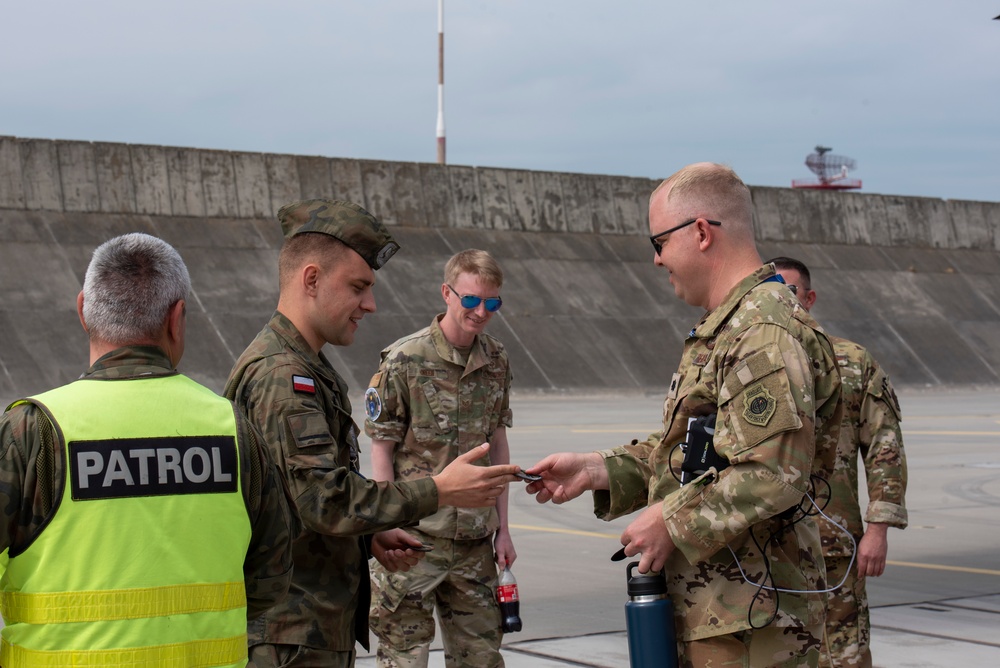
<point x="130" y="362"/>
<point x="287" y="330"/>
<point x="477" y="356"/>
<point x="708" y="327"/>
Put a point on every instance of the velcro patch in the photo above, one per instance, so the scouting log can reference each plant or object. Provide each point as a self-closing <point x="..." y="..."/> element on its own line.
<point x="304" y="384"/>
<point x="758" y="405"/>
<point x="309" y="429"/>
<point x="675" y="385"/>
<point x="373" y="404"/>
<point x="880" y="388"/>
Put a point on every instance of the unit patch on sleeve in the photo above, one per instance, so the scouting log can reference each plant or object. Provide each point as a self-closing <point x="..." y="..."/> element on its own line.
<point x="304" y="384"/>
<point x="135" y="467"/>
<point x="675" y="384"/>
<point x="758" y="405"/>
<point x="373" y="404"/>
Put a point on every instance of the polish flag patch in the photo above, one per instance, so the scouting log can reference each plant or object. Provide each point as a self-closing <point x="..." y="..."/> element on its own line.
<point x="304" y="384"/>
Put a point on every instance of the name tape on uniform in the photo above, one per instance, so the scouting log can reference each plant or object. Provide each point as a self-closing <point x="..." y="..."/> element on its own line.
<point x="135" y="467"/>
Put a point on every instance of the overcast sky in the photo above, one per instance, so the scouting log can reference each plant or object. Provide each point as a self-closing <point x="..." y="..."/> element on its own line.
<point x="908" y="88"/>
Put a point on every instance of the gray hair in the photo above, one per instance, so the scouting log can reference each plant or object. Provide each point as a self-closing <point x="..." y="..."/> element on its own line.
<point x="131" y="284"/>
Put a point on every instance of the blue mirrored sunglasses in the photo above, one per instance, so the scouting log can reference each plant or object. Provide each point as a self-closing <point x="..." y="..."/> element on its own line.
<point x="493" y="304"/>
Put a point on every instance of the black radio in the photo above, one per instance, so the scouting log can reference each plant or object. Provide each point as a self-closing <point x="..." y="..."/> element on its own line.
<point x="699" y="451"/>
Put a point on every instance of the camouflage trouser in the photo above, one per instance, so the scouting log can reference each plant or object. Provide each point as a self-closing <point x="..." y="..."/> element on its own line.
<point x="846" y="642"/>
<point x="769" y="647"/>
<point x="459" y="578"/>
<point x="297" y="656"/>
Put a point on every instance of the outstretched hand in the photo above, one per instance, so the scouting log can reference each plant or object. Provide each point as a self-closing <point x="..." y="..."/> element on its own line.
<point x="465" y="485"/>
<point x="567" y="475"/>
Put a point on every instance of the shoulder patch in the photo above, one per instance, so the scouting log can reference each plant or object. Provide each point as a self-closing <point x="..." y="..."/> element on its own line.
<point x="675" y="386"/>
<point x="880" y="387"/>
<point x="373" y="404"/>
<point x="758" y="405"/>
<point x="304" y="384"/>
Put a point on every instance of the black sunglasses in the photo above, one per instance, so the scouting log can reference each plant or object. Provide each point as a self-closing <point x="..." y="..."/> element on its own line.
<point x="657" y="246"/>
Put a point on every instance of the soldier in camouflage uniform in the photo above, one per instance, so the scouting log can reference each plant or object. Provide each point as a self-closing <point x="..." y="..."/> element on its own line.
<point x="870" y="428"/>
<point x="759" y="362"/>
<point x="133" y="307"/>
<point x="438" y="393"/>
<point x="291" y="392"/>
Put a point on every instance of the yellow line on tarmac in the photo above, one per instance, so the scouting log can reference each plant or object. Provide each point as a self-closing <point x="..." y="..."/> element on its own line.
<point x="640" y="430"/>
<point x="942" y="567"/>
<point x="570" y="532"/>
<point x="917" y="418"/>
<point x="616" y="536"/>
<point x="583" y="428"/>
<point x="649" y="428"/>
<point x="951" y="433"/>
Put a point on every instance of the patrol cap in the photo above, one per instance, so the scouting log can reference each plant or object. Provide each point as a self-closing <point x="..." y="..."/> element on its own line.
<point x="342" y="220"/>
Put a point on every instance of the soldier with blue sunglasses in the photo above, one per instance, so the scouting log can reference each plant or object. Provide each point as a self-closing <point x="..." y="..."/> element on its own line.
<point x="438" y="393"/>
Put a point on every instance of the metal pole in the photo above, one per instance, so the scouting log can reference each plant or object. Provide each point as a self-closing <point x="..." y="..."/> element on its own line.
<point x="440" y="119"/>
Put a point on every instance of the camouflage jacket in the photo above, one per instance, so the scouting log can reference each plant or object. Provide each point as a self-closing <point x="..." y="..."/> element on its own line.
<point x="435" y="405"/>
<point x="33" y="477"/>
<point x="870" y="427"/>
<point x="761" y="364"/>
<point x="300" y="404"/>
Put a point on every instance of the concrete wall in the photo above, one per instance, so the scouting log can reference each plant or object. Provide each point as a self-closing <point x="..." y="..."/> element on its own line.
<point x="915" y="279"/>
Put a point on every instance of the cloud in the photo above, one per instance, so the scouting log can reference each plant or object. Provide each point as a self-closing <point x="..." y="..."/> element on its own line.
<point x="910" y="89"/>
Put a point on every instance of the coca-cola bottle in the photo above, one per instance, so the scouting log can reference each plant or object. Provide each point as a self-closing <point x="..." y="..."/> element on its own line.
<point x="508" y="599"/>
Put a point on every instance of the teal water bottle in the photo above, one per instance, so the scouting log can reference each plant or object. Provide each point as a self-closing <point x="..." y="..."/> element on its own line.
<point x="649" y="620"/>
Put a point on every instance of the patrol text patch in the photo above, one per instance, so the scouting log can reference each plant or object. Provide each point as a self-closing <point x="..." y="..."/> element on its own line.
<point x="134" y="467"/>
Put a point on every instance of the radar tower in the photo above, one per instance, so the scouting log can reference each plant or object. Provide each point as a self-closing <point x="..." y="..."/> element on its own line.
<point x="831" y="171"/>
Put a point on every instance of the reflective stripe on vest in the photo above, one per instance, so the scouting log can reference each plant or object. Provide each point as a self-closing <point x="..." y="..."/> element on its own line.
<point x="194" y="654"/>
<point x="141" y="563"/>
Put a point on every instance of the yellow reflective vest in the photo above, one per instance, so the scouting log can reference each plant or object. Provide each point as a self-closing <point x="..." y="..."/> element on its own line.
<point x="141" y="564"/>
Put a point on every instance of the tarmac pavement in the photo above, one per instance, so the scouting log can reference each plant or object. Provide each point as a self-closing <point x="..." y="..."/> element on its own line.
<point x="936" y="606"/>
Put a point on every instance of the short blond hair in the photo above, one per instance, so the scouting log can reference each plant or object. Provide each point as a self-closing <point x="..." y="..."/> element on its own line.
<point x="479" y="263"/>
<point x="711" y="190"/>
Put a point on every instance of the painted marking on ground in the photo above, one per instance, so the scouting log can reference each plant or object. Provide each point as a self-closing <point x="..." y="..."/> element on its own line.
<point x="617" y="536"/>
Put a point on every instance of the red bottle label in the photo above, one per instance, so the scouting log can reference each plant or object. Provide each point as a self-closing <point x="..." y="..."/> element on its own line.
<point x="507" y="593"/>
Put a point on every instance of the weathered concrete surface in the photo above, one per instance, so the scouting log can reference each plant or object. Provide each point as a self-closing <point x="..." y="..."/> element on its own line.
<point x="917" y="280"/>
